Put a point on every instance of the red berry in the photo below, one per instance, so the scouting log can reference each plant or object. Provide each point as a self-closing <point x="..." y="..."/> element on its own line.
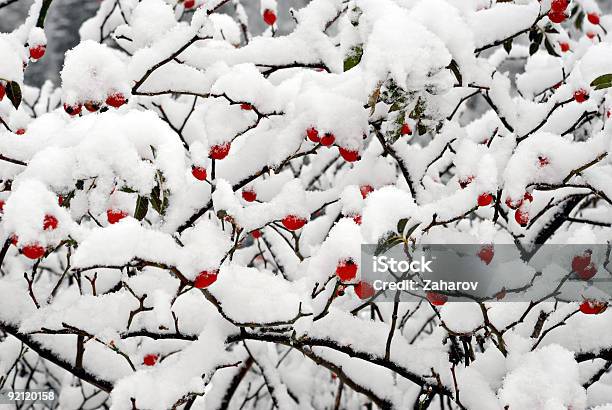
<point x="593" y="18"/>
<point x="543" y="161"/>
<point x="219" y="151"/>
<point x="521" y="217"/>
<point x="2" y="205"/>
<point x="463" y="183"/>
<point x="365" y="190"/>
<point x="116" y="100"/>
<point x="436" y="299"/>
<point x="92" y="106"/>
<point x="580" y="262"/>
<point x="485" y="199"/>
<point x="269" y="17"/>
<point x="556" y="17"/>
<point x="346" y="270"/>
<point x="115" y="215"/>
<point x="588" y="272"/>
<point x="564" y="47"/>
<point x="37" y="52"/>
<point x="188" y="4"/>
<point x="357" y="219"/>
<point x="528" y="197"/>
<point x="2" y="91"/>
<point x="405" y="129"/>
<point x="249" y="195"/>
<point x="313" y="134"/>
<point x="72" y="109"/>
<point x="60" y="200"/>
<point x="486" y="254"/>
<point x="593" y="307"/>
<point x="198" y="173"/>
<point x="256" y="234"/>
<point x="20" y="131"/>
<point x="328" y="139"/>
<point x="293" y="222"/>
<point x="33" y="251"/>
<point x="364" y="290"/>
<point x="590" y="35"/>
<point x="205" y="279"/>
<point x="246" y="107"/>
<point x="49" y="223"/>
<point x="150" y="359"/>
<point x="559" y="5"/>
<point x="349" y="155"/>
<point x="581" y="96"/>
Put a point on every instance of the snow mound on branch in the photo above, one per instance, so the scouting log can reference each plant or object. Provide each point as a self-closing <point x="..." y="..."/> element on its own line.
<point x="392" y="49"/>
<point x="93" y="71"/>
<point x="150" y="20"/>
<point x="502" y="20"/>
<point x="13" y="55"/>
<point x="249" y="295"/>
<point x="546" y="379"/>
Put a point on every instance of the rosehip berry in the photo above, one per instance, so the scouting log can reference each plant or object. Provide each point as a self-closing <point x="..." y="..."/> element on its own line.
<point x="543" y="161"/>
<point x="37" y="52"/>
<point x="436" y="299"/>
<point x="256" y="234"/>
<point x="219" y="151"/>
<point x="581" y="96"/>
<point x="60" y="200"/>
<point x="2" y="91"/>
<point x="486" y="254"/>
<point x="198" y="173"/>
<point x="564" y="47"/>
<point x="357" y="219"/>
<point x="249" y="195"/>
<point x="405" y="130"/>
<point x="205" y="279"/>
<point x="463" y="183"/>
<point x="328" y="139"/>
<point x="92" y="106"/>
<point x="115" y="215"/>
<point x="188" y="4"/>
<point x="590" y="35"/>
<point x="580" y="262"/>
<point x="246" y="107"/>
<point x="593" y="307"/>
<point x="521" y="217"/>
<point x="14" y="239"/>
<point x="20" y="131"/>
<point x="558" y="5"/>
<point x="346" y="270"/>
<point x="588" y="272"/>
<point x="364" y="290"/>
<point x="313" y="135"/>
<point x="349" y="155"/>
<point x="33" y="251"/>
<point x="50" y="223"/>
<point x="556" y="17"/>
<point x="365" y="190"/>
<point x="150" y="359"/>
<point x="293" y="222"/>
<point x="485" y="199"/>
<point x="116" y="100"/>
<point x="269" y="17"/>
<point x="72" y="109"/>
<point x="593" y="18"/>
<point x="2" y="205"/>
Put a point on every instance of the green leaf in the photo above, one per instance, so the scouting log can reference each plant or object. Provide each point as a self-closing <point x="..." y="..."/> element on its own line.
<point x="401" y="225"/>
<point x="13" y="92"/>
<point x="508" y="46"/>
<point x="142" y="207"/>
<point x="353" y="58"/>
<point x="388" y="243"/>
<point x="551" y="50"/>
<point x="603" y="81"/>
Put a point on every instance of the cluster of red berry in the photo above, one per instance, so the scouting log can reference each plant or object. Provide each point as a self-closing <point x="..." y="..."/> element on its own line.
<point x="114" y="100"/>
